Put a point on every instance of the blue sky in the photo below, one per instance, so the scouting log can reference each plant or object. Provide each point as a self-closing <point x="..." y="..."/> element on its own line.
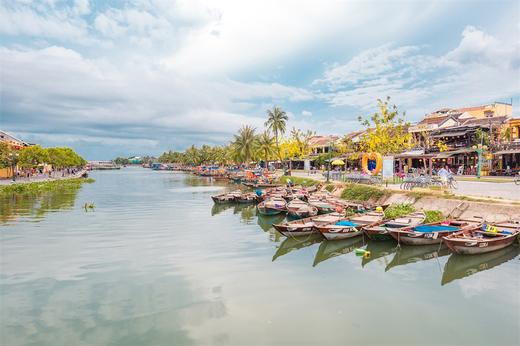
<point x="140" y="77"/>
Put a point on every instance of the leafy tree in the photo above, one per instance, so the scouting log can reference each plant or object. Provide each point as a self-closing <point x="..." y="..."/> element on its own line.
<point x="266" y="146"/>
<point x="302" y="141"/>
<point x="33" y="156"/>
<point x="5" y="159"/>
<point x="482" y="137"/>
<point x="245" y="144"/>
<point x="387" y="130"/>
<point x="121" y="161"/>
<point x="276" y="122"/>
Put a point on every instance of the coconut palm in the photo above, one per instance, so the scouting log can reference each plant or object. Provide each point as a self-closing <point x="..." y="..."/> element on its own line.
<point x="245" y="143"/>
<point x="276" y="121"/>
<point x="266" y="146"/>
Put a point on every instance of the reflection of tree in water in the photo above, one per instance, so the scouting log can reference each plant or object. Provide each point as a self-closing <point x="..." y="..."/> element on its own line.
<point x="37" y="205"/>
<point x="103" y="311"/>
<point x="461" y="266"/>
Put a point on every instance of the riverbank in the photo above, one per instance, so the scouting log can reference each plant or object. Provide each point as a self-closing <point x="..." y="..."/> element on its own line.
<point x="41" y="178"/>
<point x="423" y="199"/>
<point x="503" y="190"/>
<point x="36" y="187"/>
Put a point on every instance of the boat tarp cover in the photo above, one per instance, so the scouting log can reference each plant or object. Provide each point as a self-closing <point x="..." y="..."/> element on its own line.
<point x="434" y="228"/>
<point x="346" y="223"/>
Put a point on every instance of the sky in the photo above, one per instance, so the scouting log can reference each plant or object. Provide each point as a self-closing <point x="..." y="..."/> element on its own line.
<point x="121" y="78"/>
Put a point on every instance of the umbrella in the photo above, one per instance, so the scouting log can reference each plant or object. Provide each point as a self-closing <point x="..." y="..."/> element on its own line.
<point x="338" y="162"/>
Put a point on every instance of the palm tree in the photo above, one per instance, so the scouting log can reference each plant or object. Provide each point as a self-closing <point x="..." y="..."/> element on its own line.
<point x="276" y="121"/>
<point x="245" y="143"/>
<point x="266" y="147"/>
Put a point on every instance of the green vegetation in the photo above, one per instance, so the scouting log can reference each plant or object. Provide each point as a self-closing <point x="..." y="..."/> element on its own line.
<point x="398" y="210"/>
<point x="433" y="216"/>
<point x="358" y="192"/>
<point x="37" y="188"/>
<point x="329" y="187"/>
<point x="386" y="130"/>
<point x="35" y="155"/>
<point x="306" y="182"/>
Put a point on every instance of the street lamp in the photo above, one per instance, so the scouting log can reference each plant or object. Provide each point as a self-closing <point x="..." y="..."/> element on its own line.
<point x="479" y="149"/>
<point x="14" y="160"/>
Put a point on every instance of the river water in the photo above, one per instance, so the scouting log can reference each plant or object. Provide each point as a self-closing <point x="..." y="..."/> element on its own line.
<point x="156" y="263"/>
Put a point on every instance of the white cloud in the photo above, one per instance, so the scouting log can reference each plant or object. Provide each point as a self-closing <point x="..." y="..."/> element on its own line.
<point x="482" y="68"/>
<point x="306" y="113"/>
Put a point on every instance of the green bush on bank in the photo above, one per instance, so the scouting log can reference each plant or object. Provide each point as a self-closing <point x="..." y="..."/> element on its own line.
<point x="398" y="210"/>
<point x="306" y="182"/>
<point x="358" y="192"/>
<point x="433" y="216"/>
<point x="40" y="187"/>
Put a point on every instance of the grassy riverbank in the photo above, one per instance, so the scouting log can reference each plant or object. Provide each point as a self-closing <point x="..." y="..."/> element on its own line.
<point x="43" y="186"/>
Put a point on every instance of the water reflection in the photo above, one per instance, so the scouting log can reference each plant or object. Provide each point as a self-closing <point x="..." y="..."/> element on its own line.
<point x="295" y="243"/>
<point x="146" y="310"/>
<point x="460" y="266"/>
<point x="35" y="206"/>
<point x="412" y="254"/>
<point x="329" y="249"/>
<point x="219" y="208"/>
<point x="379" y="249"/>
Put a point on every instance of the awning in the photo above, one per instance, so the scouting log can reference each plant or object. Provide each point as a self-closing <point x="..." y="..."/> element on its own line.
<point x="450" y="134"/>
<point x="510" y="151"/>
<point x="447" y="154"/>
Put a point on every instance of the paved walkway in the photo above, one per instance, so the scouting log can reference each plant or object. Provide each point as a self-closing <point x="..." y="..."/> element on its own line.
<point x="504" y="190"/>
<point x="40" y="178"/>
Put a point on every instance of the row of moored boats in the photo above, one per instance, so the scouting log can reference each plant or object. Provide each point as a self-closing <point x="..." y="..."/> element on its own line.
<point x="315" y="212"/>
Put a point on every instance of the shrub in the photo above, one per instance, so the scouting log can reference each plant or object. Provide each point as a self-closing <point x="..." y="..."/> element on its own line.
<point x="358" y="192"/>
<point x="398" y="210"/>
<point x="433" y="216"/>
<point x="299" y="181"/>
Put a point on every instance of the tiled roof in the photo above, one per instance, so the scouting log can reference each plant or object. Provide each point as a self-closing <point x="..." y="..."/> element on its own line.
<point x="322" y="140"/>
<point x="485" y="121"/>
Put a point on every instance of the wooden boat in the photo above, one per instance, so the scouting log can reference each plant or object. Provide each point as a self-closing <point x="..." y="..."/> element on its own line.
<point x="226" y="197"/>
<point x="323" y="206"/>
<point x="247" y="197"/>
<point x="379" y="231"/>
<point x="300" y="209"/>
<point x="272" y="206"/>
<point x="306" y="226"/>
<point x="483" y="239"/>
<point x="432" y="233"/>
<point x="350" y="227"/>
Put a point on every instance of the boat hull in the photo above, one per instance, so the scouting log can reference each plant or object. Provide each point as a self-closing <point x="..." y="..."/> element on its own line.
<point x="376" y="234"/>
<point x="463" y="247"/>
<point x="339" y="233"/>
<point x="269" y="211"/>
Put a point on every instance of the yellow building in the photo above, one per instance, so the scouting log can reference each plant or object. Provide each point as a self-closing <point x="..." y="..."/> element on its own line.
<point x="514" y="124"/>
<point x="497" y="109"/>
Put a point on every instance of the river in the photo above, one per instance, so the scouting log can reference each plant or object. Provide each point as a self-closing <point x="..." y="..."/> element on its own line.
<point x="157" y="263"/>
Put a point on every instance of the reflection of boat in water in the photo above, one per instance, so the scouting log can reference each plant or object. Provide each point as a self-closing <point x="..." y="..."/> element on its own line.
<point x="460" y="266"/>
<point x="411" y="254"/>
<point x="266" y="222"/>
<point x="219" y="208"/>
<point x="378" y="249"/>
<point x="329" y="249"/>
<point x="296" y="243"/>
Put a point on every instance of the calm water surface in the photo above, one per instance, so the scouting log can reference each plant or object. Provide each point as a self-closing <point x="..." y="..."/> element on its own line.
<point x="157" y="263"/>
